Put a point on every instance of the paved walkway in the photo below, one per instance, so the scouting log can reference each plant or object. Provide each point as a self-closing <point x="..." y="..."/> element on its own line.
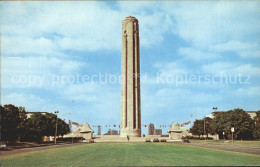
<point x="26" y="150"/>
<point x="241" y="149"/>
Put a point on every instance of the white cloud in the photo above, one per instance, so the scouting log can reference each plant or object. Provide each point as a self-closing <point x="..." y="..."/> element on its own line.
<point x="169" y="105"/>
<point x="197" y="55"/>
<point x="73" y="26"/>
<point x="29" y="101"/>
<point x="208" y="23"/>
<point x="230" y="68"/>
<point x="87" y="92"/>
<point x="243" y="49"/>
<point x="173" y="68"/>
<point x="17" y="45"/>
<point x="250" y="91"/>
<point x="36" y="71"/>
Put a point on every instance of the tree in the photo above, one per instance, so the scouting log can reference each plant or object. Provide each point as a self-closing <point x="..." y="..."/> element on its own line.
<point x="208" y="128"/>
<point x="63" y="128"/>
<point x="218" y="124"/>
<point x="10" y="121"/>
<point x="197" y="128"/>
<point x="237" y="118"/>
<point x="21" y="126"/>
<point x="257" y="125"/>
<point x="36" y="127"/>
<point x="242" y="122"/>
<point x="39" y="125"/>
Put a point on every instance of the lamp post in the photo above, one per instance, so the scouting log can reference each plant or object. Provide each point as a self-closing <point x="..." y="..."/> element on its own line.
<point x="56" y="126"/>
<point x="205" y="129"/>
<point x="224" y="136"/>
<point x="232" y="130"/>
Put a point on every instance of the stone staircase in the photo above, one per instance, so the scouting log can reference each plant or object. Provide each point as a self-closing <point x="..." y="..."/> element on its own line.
<point x="117" y="138"/>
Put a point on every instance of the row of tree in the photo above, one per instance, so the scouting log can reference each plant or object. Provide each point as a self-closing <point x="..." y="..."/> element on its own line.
<point x="17" y="126"/>
<point x="245" y="127"/>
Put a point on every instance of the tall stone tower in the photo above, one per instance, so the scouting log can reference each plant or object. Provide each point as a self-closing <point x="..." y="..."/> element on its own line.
<point x="130" y="85"/>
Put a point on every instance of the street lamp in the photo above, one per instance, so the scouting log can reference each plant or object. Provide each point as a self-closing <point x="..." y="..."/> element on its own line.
<point x="56" y="126"/>
<point x="232" y="130"/>
<point x="205" y="129"/>
<point x="214" y="109"/>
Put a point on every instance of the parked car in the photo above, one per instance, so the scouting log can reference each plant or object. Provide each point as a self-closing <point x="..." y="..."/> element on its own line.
<point x="155" y="140"/>
<point x="163" y="140"/>
<point x="147" y="140"/>
<point x="3" y="146"/>
<point x="91" y="141"/>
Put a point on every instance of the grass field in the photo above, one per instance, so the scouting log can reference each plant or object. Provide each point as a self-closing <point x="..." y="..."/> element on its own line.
<point x="237" y="143"/>
<point x="129" y="154"/>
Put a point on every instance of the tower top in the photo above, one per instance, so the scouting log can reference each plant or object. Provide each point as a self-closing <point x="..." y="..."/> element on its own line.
<point x="130" y="18"/>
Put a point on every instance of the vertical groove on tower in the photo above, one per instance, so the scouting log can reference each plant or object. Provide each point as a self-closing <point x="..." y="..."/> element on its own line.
<point x="138" y="79"/>
<point x="134" y="78"/>
<point x="136" y="75"/>
<point x="125" y="76"/>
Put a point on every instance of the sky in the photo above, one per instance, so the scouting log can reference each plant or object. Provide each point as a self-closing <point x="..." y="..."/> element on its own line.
<point x="66" y="56"/>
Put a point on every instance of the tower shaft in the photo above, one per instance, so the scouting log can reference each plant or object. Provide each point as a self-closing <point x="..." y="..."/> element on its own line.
<point x="130" y="75"/>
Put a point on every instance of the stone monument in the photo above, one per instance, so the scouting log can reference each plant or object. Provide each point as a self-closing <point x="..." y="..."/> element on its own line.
<point x="130" y="79"/>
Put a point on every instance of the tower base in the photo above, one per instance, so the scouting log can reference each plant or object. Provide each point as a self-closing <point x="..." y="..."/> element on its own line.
<point x="130" y="132"/>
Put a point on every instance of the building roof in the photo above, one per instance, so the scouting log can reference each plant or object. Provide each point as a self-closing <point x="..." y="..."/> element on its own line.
<point x="85" y="128"/>
<point x="228" y="110"/>
<point x="175" y="127"/>
<point x="32" y="112"/>
<point x="251" y="113"/>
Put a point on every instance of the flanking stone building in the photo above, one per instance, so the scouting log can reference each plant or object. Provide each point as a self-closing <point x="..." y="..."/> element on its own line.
<point x="176" y="132"/>
<point x="83" y="130"/>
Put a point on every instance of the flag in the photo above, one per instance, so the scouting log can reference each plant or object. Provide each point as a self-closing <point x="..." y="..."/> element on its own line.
<point x="75" y="123"/>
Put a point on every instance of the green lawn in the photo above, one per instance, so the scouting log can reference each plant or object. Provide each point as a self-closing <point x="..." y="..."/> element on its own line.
<point x="237" y="143"/>
<point x="129" y="154"/>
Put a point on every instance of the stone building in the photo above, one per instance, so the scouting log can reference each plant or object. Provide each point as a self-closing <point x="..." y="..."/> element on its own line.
<point x="82" y="131"/>
<point x="99" y="130"/>
<point x="252" y="114"/>
<point x="112" y="132"/>
<point x="29" y="114"/>
<point x="176" y="132"/>
<point x="157" y="131"/>
<point x="151" y="129"/>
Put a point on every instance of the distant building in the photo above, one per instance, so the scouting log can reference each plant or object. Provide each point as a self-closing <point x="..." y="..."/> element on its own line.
<point x="151" y="129"/>
<point x="29" y="114"/>
<point x="112" y="132"/>
<point x="251" y="113"/>
<point x="158" y="132"/>
<point x="99" y="130"/>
